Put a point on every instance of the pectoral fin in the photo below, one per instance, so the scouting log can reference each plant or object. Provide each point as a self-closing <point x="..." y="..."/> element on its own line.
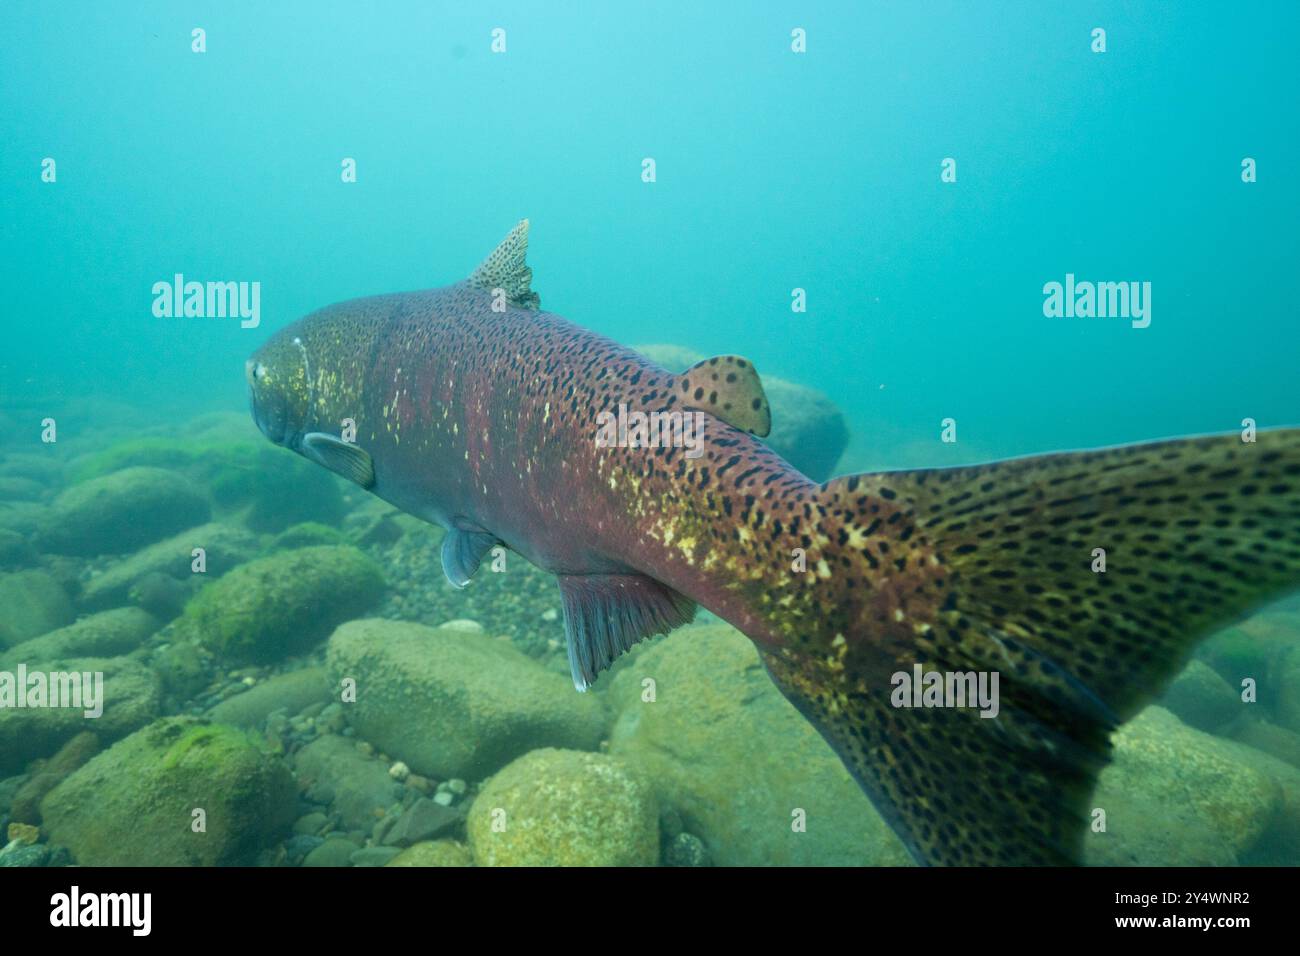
<point x="727" y="386"/>
<point x="462" y="551"/>
<point x="340" y="457"/>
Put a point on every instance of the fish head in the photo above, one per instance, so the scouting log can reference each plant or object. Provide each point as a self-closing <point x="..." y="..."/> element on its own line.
<point x="279" y="387"/>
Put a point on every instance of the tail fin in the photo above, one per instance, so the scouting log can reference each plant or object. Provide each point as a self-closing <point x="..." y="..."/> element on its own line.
<point x="993" y="569"/>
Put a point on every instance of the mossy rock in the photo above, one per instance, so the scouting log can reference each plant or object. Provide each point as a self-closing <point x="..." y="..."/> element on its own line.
<point x="106" y="634"/>
<point x="282" y="604"/>
<point x="275" y="489"/>
<point x="1202" y="698"/>
<point x="1174" y="796"/>
<point x="31" y="603"/>
<point x="1251" y="648"/>
<point x="131" y="698"/>
<point x="452" y="702"/>
<point x="15" y="551"/>
<point x="268" y="487"/>
<point x="225" y="546"/>
<point x="121" y="512"/>
<point x="736" y="761"/>
<point x="565" y="808"/>
<point x="434" y="853"/>
<point x="134" y="804"/>
<point x="292" y="691"/>
<point x="306" y="535"/>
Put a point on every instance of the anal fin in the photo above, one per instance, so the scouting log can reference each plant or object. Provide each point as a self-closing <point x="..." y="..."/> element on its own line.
<point x="605" y="614"/>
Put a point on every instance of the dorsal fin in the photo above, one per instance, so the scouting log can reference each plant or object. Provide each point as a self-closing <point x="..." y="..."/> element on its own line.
<point x="605" y="614"/>
<point x="506" y="269"/>
<point x="727" y="386"/>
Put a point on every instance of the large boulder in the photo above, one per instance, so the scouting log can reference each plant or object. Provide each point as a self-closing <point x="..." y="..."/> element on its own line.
<point x="107" y="634"/>
<point x="135" y="804"/>
<point x="282" y="604"/>
<point x="1174" y="796"/>
<point x="224" y="546"/>
<point x="31" y="603"/>
<point x="565" y="808"/>
<point x="808" y="430"/>
<point x="130" y="699"/>
<point x="120" y="512"/>
<point x="746" y="773"/>
<point x="450" y="702"/>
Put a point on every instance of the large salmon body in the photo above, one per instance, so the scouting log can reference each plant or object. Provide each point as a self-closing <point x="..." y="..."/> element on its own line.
<point x="647" y="493"/>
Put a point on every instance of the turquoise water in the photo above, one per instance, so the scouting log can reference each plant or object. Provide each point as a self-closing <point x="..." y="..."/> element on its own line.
<point x="775" y="171"/>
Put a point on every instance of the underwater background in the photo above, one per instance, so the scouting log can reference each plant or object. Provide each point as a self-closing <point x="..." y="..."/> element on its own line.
<point x="822" y="179"/>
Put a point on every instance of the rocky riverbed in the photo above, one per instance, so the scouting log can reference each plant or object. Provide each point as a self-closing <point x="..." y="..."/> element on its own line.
<point x="288" y="680"/>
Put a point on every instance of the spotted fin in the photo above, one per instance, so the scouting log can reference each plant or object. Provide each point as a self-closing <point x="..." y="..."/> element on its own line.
<point x="463" y="549"/>
<point x="993" y="569"/>
<point x="342" y="458"/>
<point x="507" y="269"/>
<point x="605" y="614"/>
<point x="728" y="387"/>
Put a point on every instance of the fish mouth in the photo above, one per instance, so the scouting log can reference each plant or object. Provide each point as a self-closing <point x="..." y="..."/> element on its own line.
<point x="274" y="424"/>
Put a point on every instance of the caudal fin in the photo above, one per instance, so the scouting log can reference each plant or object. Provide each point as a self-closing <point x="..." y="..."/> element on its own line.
<point x="995" y="568"/>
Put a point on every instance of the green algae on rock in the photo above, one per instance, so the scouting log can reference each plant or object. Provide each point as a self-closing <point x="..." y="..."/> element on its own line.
<point x="135" y="804"/>
<point x="453" y="703"/>
<point x="747" y="773"/>
<point x="121" y="511"/>
<point x="282" y="604"/>
<point x="565" y="808"/>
